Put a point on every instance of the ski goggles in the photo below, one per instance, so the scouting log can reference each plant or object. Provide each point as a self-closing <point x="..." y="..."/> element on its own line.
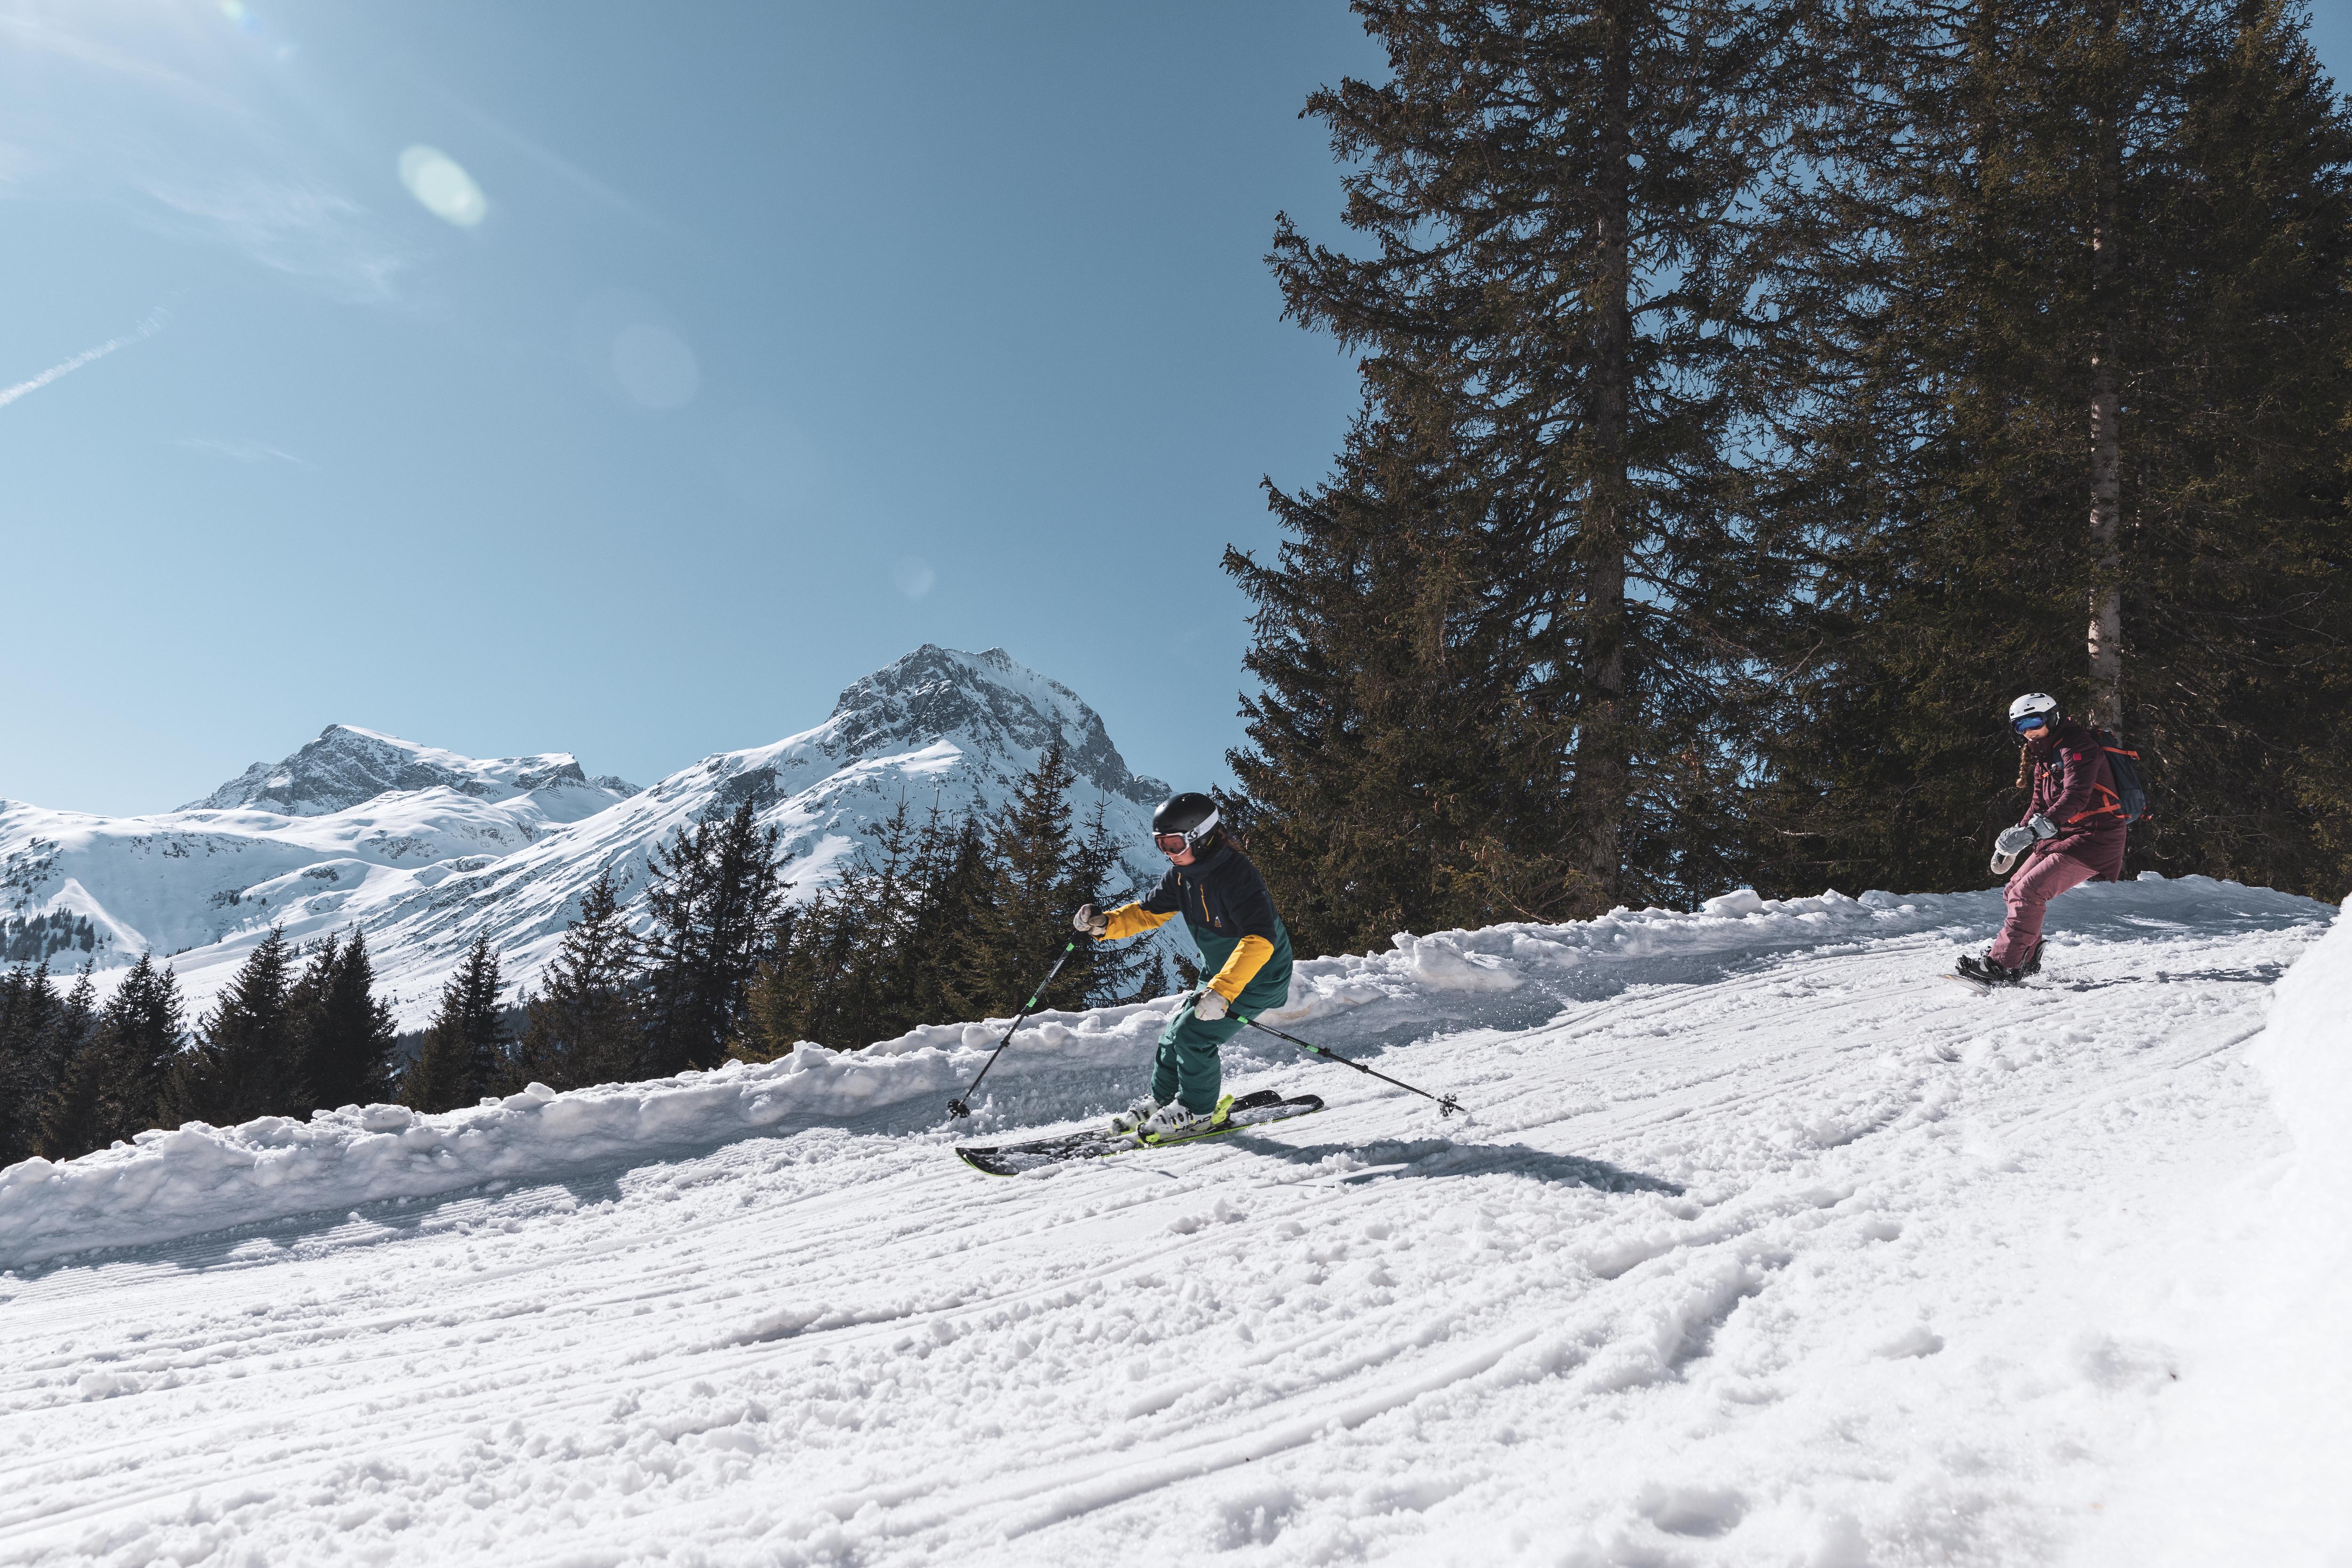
<point x="1177" y="843"/>
<point x="2030" y="722"/>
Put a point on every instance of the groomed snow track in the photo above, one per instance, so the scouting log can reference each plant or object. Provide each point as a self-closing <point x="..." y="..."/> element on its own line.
<point x="1767" y="1245"/>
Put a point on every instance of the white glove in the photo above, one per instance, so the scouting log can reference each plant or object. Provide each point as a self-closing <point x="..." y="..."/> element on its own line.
<point x="1091" y="921"/>
<point x="2014" y="841"/>
<point x="2043" y="827"/>
<point x="1209" y="1007"/>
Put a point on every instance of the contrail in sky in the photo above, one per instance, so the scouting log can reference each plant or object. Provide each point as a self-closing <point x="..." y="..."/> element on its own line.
<point x="147" y="328"/>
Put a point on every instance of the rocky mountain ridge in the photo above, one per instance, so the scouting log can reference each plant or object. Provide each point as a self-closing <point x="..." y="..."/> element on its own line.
<point x="348" y="766"/>
<point x="456" y="846"/>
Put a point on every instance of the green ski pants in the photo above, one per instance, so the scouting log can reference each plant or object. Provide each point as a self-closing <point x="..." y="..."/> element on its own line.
<point x="1187" y="1067"/>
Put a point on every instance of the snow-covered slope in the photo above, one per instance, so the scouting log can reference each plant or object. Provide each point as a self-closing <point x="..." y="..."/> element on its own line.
<point x="451" y="847"/>
<point x="1766" y="1246"/>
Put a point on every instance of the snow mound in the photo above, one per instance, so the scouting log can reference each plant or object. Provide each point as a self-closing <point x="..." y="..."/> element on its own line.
<point x="2307" y="1056"/>
<point x="199" y="1178"/>
<point x="2248" y="1464"/>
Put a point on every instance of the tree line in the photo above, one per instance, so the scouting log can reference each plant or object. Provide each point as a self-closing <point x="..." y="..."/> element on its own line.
<point x="1755" y="398"/>
<point x="948" y="920"/>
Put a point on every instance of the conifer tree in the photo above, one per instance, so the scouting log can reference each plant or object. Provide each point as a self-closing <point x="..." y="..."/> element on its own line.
<point x="715" y="894"/>
<point x="1554" y="192"/>
<point x="583" y="1025"/>
<point x="845" y="968"/>
<point x="348" y="1031"/>
<point x="146" y="1021"/>
<point x="2026" y="223"/>
<point x="464" y="1054"/>
<point x="1111" y="975"/>
<point x="1397" y="778"/>
<point x="248" y="1061"/>
<point x="305" y="995"/>
<point x="70" y="1111"/>
<point x="29" y="1014"/>
<point x="953" y="883"/>
<point x="1018" y="928"/>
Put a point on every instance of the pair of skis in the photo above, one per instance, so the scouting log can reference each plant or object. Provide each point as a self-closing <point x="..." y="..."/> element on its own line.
<point x="1248" y="1111"/>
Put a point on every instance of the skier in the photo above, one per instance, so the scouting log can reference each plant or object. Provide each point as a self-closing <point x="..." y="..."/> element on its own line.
<point x="2073" y="832"/>
<point x="1244" y="949"/>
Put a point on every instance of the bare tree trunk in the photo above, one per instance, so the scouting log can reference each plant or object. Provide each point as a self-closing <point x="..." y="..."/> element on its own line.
<point x="2106" y="630"/>
<point x="1604" y="734"/>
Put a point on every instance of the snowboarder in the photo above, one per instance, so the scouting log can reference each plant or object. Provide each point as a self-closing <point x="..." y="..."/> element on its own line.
<point x="2073" y="832"/>
<point x="1244" y="950"/>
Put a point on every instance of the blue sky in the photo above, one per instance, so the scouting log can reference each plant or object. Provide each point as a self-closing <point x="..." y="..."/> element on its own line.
<point x="753" y="346"/>
<point x="789" y="337"/>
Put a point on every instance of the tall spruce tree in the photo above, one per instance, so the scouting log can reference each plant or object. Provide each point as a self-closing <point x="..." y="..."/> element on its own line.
<point x="140" y="1036"/>
<point x="304" y="998"/>
<point x="348" y="1045"/>
<point x="116" y="1084"/>
<point x="1098" y="875"/>
<point x="2236" y="585"/>
<point x="1397" y="778"/>
<point x="29" y="1014"/>
<point x="952" y="881"/>
<point x="2067" y="332"/>
<point x="464" y="1050"/>
<point x="1559" y="280"/>
<point x="1025" y="918"/>
<point x="715" y="894"/>
<point x="69" y="1110"/>
<point x="583" y="1023"/>
<point x="247" y="1059"/>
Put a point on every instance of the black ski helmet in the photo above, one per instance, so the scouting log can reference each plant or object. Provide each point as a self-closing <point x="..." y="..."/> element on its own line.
<point x="1192" y="813"/>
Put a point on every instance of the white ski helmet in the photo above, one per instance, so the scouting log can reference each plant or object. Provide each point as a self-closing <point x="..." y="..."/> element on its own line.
<point x="2033" y="705"/>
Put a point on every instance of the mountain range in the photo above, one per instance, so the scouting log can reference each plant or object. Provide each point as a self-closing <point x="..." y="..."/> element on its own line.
<point x="424" y="849"/>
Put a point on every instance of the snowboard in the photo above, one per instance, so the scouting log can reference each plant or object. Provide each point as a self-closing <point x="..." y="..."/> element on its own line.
<point x="1248" y="1111"/>
<point x="1989" y="986"/>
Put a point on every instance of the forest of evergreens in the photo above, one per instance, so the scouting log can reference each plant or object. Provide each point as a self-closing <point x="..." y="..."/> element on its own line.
<point x="1757" y="397"/>
<point x="956" y="921"/>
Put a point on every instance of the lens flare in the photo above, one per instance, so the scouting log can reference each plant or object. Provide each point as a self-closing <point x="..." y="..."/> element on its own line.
<point x="655" y="367"/>
<point x="445" y="189"/>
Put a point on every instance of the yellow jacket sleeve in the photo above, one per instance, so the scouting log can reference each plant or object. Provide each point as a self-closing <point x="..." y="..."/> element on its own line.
<point x="1249" y="956"/>
<point x="1134" y="919"/>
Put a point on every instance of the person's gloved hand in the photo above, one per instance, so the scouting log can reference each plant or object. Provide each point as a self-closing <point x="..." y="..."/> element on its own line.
<point x="1209" y="1007"/>
<point x="2043" y="827"/>
<point x="2015" y="841"/>
<point x="1091" y="921"/>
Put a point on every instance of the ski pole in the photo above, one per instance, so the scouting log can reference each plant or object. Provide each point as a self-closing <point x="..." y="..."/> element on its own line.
<point x="1446" y="1104"/>
<point x="961" y="1105"/>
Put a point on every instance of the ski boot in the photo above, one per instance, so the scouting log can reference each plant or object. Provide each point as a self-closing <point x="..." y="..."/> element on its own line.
<point x="2033" y="964"/>
<point x="1986" y="971"/>
<point x="1172" y="1121"/>
<point x="1135" y="1115"/>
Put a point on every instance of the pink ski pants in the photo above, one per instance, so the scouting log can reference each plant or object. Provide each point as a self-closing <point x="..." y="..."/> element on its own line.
<point x="2046" y="874"/>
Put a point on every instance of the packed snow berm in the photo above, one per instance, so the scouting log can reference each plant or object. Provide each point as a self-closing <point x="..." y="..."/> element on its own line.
<point x="1765" y="1245"/>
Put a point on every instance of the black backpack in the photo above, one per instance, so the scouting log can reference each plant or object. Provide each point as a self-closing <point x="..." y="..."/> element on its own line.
<point x="2123" y="765"/>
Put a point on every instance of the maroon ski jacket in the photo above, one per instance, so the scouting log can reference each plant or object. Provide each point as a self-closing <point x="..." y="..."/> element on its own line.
<point x="2075" y="789"/>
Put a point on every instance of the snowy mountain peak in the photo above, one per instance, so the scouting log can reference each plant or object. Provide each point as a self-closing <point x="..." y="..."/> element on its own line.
<point x="348" y="766"/>
<point x="999" y="703"/>
<point x="424" y="849"/>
